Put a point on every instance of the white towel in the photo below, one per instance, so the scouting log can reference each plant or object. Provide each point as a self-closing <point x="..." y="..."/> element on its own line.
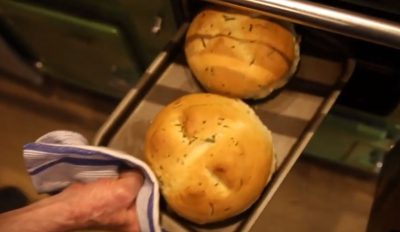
<point x="60" y="158"/>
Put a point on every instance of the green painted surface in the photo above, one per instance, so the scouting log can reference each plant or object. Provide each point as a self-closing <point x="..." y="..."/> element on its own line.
<point x="358" y="140"/>
<point x="100" y="45"/>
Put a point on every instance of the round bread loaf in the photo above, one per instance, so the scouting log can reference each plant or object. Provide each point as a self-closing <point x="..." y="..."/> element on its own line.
<point x="212" y="156"/>
<point x="241" y="56"/>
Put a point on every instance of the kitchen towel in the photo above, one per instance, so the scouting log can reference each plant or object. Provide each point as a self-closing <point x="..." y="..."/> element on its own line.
<point x="61" y="158"/>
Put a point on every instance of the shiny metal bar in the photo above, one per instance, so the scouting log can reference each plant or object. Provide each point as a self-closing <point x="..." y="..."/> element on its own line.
<point x="323" y="17"/>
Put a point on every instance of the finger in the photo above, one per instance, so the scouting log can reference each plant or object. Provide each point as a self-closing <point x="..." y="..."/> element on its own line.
<point x="130" y="172"/>
<point x="134" y="222"/>
<point x="132" y="179"/>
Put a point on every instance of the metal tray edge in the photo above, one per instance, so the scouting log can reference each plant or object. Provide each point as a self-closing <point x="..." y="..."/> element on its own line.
<point x="134" y="96"/>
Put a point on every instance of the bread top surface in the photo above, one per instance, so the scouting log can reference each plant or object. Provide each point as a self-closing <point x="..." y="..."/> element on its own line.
<point x="211" y="154"/>
<point x="237" y="55"/>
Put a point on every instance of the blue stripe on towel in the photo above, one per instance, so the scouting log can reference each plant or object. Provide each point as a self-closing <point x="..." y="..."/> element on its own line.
<point x="77" y="161"/>
<point x="64" y="150"/>
<point x="150" y="212"/>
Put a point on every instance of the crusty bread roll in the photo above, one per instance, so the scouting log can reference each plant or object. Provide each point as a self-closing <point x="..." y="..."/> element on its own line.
<point x="212" y="155"/>
<point x="238" y="55"/>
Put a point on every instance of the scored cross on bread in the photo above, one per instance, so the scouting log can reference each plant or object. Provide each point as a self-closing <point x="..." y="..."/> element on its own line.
<point x="239" y="55"/>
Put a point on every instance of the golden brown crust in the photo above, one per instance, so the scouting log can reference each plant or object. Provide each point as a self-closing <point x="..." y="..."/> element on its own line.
<point x="212" y="155"/>
<point x="238" y="55"/>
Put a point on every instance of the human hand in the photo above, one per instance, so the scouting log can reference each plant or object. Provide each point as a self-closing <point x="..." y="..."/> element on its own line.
<point x="105" y="203"/>
<point x="108" y="204"/>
